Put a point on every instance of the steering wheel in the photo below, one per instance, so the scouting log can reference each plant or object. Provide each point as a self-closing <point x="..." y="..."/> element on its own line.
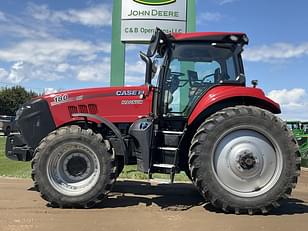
<point x="176" y="74"/>
<point x="207" y="76"/>
<point x="174" y="81"/>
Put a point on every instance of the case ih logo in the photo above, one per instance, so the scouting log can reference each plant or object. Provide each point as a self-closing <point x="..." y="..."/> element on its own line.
<point x="155" y="2"/>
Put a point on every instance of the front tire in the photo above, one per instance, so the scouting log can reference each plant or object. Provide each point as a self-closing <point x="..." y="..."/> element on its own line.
<point x="72" y="167"/>
<point x="244" y="160"/>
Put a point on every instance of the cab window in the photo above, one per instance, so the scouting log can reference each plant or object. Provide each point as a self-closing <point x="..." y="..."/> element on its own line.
<point x="193" y="69"/>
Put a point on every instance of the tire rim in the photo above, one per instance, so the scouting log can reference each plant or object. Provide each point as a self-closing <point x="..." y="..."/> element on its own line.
<point x="247" y="162"/>
<point x="73" y="171"/>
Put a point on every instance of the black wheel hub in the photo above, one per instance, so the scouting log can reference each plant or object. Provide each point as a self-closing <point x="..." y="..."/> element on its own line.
<point x="247" y="161"/>
<point x="77" y="166"/>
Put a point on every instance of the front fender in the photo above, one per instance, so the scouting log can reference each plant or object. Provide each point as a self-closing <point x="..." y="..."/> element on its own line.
<point x="220" y="94"/>
<point x="121" y="148"/>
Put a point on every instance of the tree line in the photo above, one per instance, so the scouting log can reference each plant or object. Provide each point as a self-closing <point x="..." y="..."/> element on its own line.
<point x="11" y="98"/>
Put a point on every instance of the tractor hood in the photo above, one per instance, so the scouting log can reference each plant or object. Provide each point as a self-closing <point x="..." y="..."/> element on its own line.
<point x="117" y="104"/>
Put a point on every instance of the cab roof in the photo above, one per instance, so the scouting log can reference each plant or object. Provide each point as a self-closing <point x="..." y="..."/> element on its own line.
<point x="231" y="37"/>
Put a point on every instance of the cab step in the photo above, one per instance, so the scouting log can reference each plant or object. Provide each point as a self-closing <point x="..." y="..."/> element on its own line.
<point x="168" y="166"/>
<point x="172" y="132"/>
<point x="171" y="167"/>
<point x="167" y="148"/>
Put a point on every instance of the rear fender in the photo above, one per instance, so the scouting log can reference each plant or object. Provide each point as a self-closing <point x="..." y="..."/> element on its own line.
<point x="225" y="96"/>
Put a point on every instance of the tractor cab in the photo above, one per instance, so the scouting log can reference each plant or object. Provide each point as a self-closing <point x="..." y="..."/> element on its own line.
<point x="184" y="67"/>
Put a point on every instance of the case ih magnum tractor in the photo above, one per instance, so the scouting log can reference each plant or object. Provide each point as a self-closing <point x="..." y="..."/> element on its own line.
<point x="194" y="113"/>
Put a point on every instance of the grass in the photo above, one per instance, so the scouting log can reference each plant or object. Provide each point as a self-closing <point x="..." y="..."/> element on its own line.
<point x="130" y="172"/>
<point x="10" y="168"/>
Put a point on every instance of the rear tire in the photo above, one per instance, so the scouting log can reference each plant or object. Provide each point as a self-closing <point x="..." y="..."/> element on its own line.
<point x="72" y="167"/>
<point x="244" y="160"/>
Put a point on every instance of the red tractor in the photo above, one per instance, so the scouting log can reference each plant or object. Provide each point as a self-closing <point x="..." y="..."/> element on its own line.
<point x="194" y="114"/>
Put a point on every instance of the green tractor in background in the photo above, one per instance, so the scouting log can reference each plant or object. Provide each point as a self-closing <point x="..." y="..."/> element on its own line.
<point x="300" y="131"/>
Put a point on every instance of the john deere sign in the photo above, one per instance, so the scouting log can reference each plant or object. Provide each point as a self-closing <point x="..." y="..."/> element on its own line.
<point x="134" y="21"/>
<point x="155" y="2"/>
<point x="141" y="17"/>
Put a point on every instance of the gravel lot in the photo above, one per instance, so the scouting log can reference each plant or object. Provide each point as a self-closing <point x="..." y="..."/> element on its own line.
<point x="139" y="205"/>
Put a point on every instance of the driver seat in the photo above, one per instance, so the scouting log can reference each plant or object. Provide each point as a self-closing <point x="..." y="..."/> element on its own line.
<point x="194" y="83"/>
<point x="217" y="76"/>
<point x="193" y="78"/>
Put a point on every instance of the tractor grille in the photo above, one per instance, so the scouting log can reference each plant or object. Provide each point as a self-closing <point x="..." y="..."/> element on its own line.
<point x="83" y="108"/>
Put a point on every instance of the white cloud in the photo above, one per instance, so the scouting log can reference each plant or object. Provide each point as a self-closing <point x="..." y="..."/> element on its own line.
<point x="134" y="47"/>
<point x="2" y="16"/>
<point x="96" y="72"/>
<point x="104" y="47"/>
<point x="53" y="50"/>
<point x="223" y="2"/>
<point x="62" y="67"/>
<point x="97" y="16"/>
<point x="3" y="74"/>
<point x="134" y="80"/>
<point x="38" y="21"/>
<point x="14" y="27"/>
<point x="138" y="67"/>
<point x="294" y="103"/>
<point x="22" y="71"/>
<point x="49" y="90"/>
<point x="33" y="49"/>
<point x="275" y="52"/>
<point x="288" y="97"/>
<point x="51" y="59"/>
<point x="210" y="17"/>
<point x="18" y="72"/>
<point x="135" y="73"/>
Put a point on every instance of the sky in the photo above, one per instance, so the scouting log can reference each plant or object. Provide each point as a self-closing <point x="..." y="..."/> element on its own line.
<point x="48" y="45"/>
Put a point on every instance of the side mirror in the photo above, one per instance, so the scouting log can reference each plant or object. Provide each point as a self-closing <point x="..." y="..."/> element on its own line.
<point x="153" y="44"/>
<point x="158" y="38"/>
<point x="148" y="62"/>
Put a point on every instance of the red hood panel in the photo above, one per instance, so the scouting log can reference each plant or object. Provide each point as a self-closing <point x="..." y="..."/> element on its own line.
<point x="117" y="104"/>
